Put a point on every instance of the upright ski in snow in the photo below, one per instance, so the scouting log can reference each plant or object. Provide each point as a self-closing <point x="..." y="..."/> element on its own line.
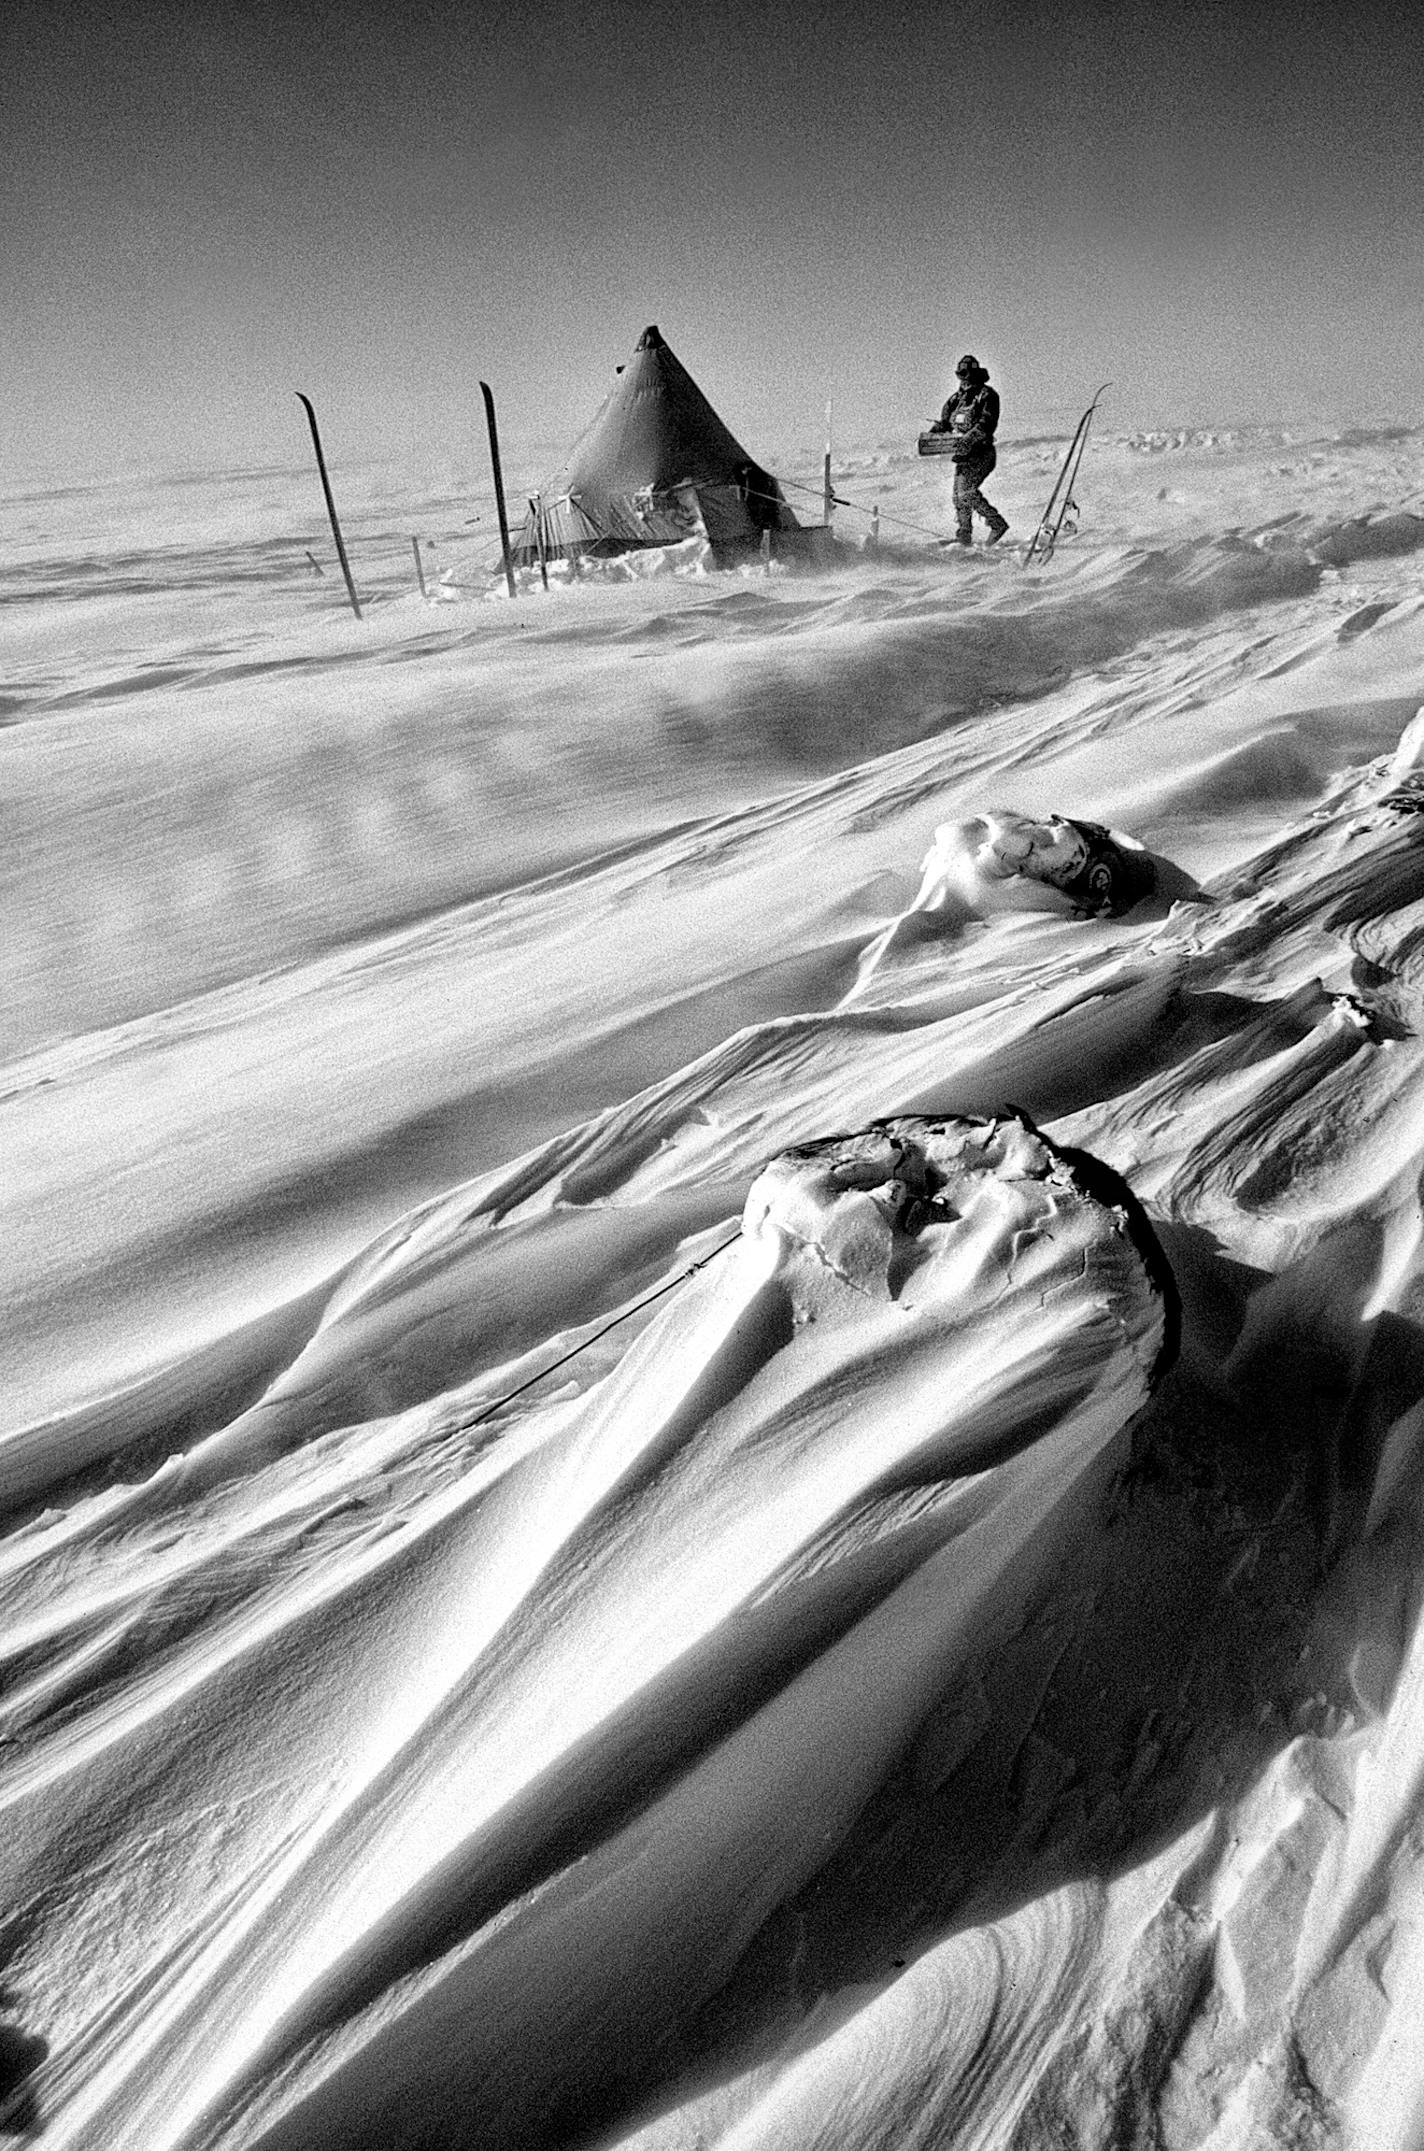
<point x="1060" y="517"/>
<point x="487" y="392"/>
<point x="330" y="505"/>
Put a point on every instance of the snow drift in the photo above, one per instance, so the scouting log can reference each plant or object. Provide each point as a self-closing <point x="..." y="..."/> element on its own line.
<point x="552" y="1594"/>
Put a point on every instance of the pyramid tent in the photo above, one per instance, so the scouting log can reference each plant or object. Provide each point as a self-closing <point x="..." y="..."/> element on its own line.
<point x="655" y="466"/>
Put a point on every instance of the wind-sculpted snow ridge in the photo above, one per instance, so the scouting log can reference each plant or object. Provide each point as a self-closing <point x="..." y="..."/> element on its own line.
<point x="472" y="1615"/>
<point x="491" y="1275"/>
<point x="1309" y="1108"/>
<point x="171" y="829"/>
<point x="542" y="1750"/>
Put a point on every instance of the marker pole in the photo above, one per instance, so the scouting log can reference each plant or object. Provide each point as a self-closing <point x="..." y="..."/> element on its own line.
<point x="827" y="496"/>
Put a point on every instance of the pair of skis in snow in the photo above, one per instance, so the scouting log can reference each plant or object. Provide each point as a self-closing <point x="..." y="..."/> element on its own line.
<point x="1060" y="517"/>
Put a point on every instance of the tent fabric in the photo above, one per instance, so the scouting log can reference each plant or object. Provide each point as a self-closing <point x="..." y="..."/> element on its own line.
<point x="655" y="465"/>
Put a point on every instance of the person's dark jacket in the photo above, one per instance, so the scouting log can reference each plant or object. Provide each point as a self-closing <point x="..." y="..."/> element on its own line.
<point x="972" y="416"/>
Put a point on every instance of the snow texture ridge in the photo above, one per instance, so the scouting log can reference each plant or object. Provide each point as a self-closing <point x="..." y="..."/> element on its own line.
<point x="678" y="1467"/>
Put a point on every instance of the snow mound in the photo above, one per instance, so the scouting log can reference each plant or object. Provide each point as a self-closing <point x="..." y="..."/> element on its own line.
<point x="736" y="1578"/>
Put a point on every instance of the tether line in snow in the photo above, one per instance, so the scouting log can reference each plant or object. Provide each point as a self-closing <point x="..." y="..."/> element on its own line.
<point x="626" y="1316"/>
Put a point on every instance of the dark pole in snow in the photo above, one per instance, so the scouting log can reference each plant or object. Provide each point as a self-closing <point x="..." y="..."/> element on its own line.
<point x="330" y="505"/>
<point x="419" y="568"/>
<point x="536" y="509"/>
<point x="498" y="485"/>
<point x="827" y="496"/>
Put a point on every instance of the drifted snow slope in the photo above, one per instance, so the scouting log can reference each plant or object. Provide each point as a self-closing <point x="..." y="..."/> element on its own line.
<point x="835" y="1705"/>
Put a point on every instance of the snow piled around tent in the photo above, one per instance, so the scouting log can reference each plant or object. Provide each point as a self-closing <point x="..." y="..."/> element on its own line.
<point x="690" y="559"/>
<point x="678" y="1471"/>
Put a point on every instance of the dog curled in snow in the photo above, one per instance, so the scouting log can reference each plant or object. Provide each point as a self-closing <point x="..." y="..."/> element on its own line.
<point x="1004" y="861"/>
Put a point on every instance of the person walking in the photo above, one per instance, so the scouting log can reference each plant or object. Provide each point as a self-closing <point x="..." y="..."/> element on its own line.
<point x="971" y="416"/>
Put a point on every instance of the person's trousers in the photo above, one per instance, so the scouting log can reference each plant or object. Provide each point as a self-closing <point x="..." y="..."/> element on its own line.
<point x="969" y="501"/>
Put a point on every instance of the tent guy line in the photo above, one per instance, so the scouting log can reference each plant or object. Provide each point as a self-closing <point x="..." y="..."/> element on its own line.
<point x="838" y="500"/>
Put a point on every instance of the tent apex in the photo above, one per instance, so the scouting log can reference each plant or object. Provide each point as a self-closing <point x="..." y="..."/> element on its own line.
<point x="651" y="339"/>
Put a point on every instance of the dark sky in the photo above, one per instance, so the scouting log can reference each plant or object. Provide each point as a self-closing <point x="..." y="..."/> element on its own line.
<point x="209" y="203"/>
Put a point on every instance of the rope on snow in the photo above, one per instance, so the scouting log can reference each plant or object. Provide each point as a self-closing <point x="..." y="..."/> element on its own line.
<point x="628" y="1312"/>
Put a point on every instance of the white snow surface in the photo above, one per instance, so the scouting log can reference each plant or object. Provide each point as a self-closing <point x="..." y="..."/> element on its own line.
<point x="559" y="1588"/>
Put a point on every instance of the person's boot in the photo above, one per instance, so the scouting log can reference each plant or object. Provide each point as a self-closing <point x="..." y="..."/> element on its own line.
<point x="998" y="528"/>
<point x="964" y="535"/>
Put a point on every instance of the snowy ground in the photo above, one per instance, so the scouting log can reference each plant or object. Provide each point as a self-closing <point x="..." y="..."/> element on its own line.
<point x="845" y="1703"/>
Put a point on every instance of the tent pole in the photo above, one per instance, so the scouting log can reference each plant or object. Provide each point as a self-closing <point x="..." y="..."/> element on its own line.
<point x="419" y="569"/>
<point x="330" y="505"/>
<point x="498" y="486"/>
<point x="536" y="509"/>
<point x="827" y="496"/>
